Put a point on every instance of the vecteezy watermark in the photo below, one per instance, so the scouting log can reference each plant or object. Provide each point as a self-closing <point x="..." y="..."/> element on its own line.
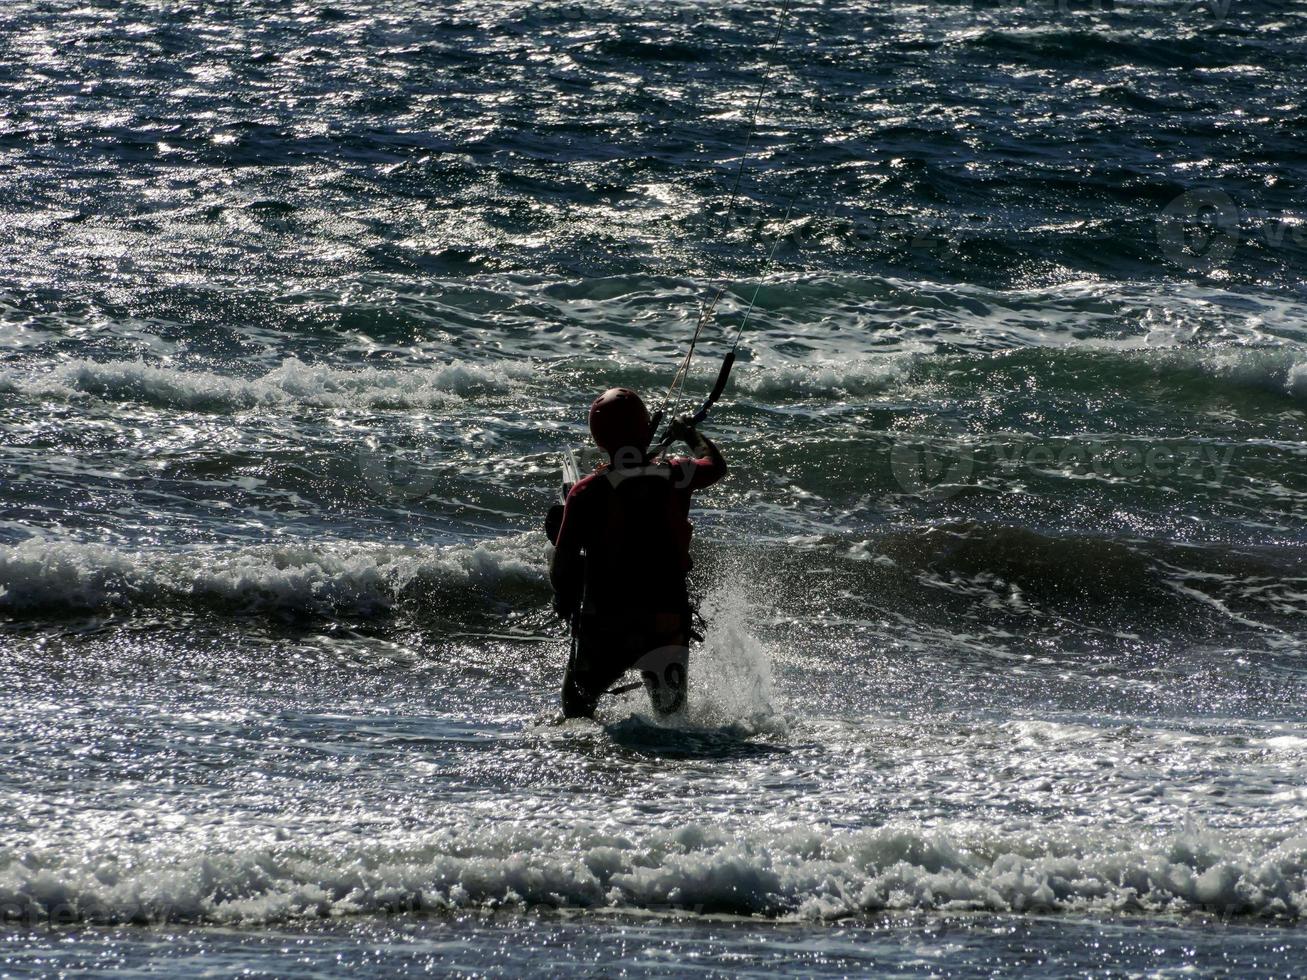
<point x="30" y="913"/>
<point x="418" y="903"/>
<point x="950" y="15"/>
<point x="396" y="474"/>
<point x="943" y="466"/>
<point x="925" y="234"/>
<point x="935" y="465"/>
<point x="1199" y="229"/>
<point x="663" y="671"/>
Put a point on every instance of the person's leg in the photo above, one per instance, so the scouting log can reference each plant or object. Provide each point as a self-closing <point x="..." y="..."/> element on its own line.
<point x="579" y="701"/>
<point x="664" y="672"/>
<point x="606" y="650"/>
<point x="590" y="673"/>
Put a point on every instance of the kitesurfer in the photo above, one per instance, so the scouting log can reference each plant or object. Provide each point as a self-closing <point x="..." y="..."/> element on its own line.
<point x="622" y="554"/>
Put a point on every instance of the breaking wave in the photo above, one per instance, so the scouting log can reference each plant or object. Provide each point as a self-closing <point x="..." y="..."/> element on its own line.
<point x="991" y="569"/>
<point x="292" y="383"/>
<point x="1278" y="370"/>
<point x="769" y="378"/>
<point x="952" y="372"/>
<point x="808" y="874"/>
<point x="332" y="578"/>
<point x="827" y="377"/>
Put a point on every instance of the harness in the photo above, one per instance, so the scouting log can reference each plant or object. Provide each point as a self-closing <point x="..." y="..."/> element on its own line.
<point x="636" y="566"/>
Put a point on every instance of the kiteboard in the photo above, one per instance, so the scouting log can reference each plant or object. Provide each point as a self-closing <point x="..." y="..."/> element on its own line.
<point x="573" y="464"/>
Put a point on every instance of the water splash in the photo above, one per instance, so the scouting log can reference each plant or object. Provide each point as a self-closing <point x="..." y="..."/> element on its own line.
<point x="730" y="674"/>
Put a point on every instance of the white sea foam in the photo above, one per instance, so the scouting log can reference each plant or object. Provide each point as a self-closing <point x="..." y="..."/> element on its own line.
<point x="293" y="382"/>
<point x="1297" y="379"/>
<point x="826" y="377"/>
<point x="812" y="873"/>
<point x="326" y="577"/>
<point x="1282" y="369"/>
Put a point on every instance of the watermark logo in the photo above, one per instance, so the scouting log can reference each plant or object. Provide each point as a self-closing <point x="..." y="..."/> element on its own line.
<point x="934" y="14"/>
<point x="931" y="235"/>
<point x="393" y="473"/>
<point x="938" y="467"/>
<point x="1199" y="229"/>
<point x="950" y="15"/>
<point x="1216" y="10"/>
<point x="664" y="674"/>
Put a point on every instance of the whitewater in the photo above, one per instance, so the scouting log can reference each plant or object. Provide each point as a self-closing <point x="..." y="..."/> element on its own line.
<point x="1004" y="604"/>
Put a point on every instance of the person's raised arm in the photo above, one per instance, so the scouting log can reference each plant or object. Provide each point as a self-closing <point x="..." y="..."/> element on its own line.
<point x="713" y="464"/>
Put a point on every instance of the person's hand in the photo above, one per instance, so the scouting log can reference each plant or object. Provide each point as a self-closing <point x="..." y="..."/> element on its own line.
<point x="682" y="429"/>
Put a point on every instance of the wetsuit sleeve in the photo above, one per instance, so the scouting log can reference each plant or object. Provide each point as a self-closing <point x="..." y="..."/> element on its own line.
<point x="701" y="472"/>
<point x="695" y="474"/>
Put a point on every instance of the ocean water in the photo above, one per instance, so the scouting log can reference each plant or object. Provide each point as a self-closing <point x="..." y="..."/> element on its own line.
<point x="1005" y="654"/>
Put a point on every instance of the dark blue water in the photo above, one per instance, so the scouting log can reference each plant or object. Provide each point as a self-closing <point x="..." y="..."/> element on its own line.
<point x="299" y="304"/>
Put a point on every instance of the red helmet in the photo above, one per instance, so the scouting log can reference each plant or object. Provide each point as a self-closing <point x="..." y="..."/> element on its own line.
<point x="618" y="419"/>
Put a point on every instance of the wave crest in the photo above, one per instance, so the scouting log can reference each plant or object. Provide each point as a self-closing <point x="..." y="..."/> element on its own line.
<point x="810" y="873"/>
<point x="849" y="376"/>
<point x="292" y="383"/>
<point x="332" y="578"/>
